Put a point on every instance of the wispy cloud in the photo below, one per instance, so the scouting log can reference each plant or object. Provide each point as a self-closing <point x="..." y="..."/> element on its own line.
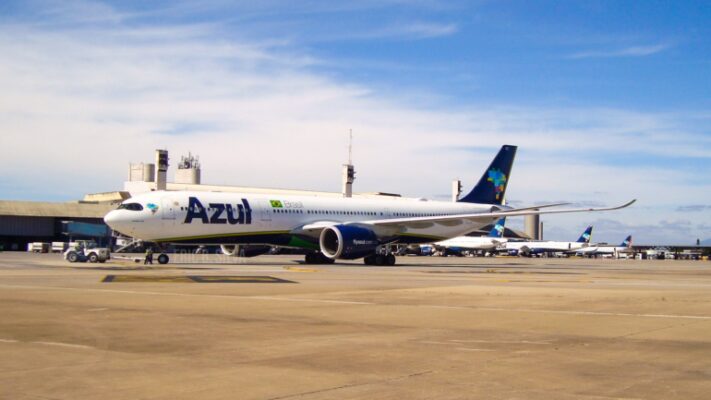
<point x="632" y="51"/>
<point x="422" y="30"/>
<point x="410" y="30"/>
<point x="693" y="208"/>
<point x="187" y="128"/>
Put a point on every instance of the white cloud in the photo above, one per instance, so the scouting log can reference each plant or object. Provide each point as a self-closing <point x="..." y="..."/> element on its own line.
<point x="632" y="51"/>
<point x="420" y="30"/>
<point x="409" y="30"/>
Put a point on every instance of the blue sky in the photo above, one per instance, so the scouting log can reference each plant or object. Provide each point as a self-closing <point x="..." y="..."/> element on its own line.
<point x="608" y="100"/>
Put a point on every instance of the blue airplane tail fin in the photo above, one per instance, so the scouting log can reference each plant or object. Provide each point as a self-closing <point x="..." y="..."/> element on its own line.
<point x="627" y="242"/>
<point x="498" y="230"/>
<point x="585" y="237"/>
<point x="492" y="185"/>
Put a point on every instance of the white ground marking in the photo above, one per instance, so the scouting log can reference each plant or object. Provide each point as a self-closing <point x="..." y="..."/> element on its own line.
<point x="306" y="300"/>
<point x="571" y="312"/>
<point x="274" y="270"/>
<point x="60" y="344"/>
<point x="297" y="299"/>
<point x="435" y="342"/>
<point x="500" y="341"/>
<point x="470" y="349"/>
<point x="213" y="296"/>
<point x="75" y="346"/>
<point x="654" y="284"/>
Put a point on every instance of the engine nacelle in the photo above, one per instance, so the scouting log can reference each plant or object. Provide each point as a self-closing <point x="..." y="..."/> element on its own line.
<point x="347" y="242"/>
<point x="252" y="250"/>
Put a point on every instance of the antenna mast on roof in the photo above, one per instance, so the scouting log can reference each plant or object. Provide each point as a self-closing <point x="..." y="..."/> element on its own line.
<point x="350" y="148"/>
<point x="348" y="170"/>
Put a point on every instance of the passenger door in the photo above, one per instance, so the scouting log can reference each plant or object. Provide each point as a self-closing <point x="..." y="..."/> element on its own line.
<point x="265" y="213"/>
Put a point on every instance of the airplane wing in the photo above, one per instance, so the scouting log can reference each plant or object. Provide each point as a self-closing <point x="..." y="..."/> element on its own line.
<point x="318" y="225"/>
<point x="456" y="219"/>
<point x="542" y="206"/>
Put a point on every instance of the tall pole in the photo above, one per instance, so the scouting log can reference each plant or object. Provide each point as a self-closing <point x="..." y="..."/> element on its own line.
<point x="348" y="175"/>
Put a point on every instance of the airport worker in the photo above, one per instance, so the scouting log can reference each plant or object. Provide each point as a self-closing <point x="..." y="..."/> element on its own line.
<point x="149" y="256"/>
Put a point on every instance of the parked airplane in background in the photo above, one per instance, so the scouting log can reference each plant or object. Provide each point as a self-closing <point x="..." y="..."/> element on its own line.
<point x="598" y="250"/>
<point x="473" y="243"/>
<point x="331" y="228"/>
<point x="531" y="248"/>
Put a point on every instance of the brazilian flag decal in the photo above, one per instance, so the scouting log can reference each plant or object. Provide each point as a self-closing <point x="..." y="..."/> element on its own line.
<point x="276" y="203"/>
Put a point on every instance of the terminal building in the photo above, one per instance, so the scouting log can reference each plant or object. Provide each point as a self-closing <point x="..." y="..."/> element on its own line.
<point x="23" y="222"/>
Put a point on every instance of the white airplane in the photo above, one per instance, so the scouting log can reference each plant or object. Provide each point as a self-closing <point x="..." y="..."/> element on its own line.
<point x="332" y="228"/>
<point x="531" y="248"/>
<point x="596" y="250"/>
<point x="487" y="243"/>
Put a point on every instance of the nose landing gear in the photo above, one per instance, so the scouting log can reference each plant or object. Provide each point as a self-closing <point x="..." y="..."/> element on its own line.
<point x="380" y="259"/>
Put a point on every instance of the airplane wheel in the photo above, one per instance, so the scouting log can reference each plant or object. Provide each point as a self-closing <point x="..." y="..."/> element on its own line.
<point x="72" y="257"/>
<point x="318" y="258"/>
<point x="380" y="260"/>
<point x="390" y="260"/>
<point x="369" y="260"/>
<point x="163" y="259"/>
<point x="324" y="260"/>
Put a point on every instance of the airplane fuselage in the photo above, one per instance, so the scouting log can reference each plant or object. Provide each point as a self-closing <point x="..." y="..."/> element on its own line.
<point x="536" y="247"/>
<point x="239" y="218"/>
<point x="600" y="250"/>
<point x="471" y="243"/>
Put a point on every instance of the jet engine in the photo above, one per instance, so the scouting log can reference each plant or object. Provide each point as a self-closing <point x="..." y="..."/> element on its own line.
<point x="347" y="242"/>
<point x="251" y="250"/>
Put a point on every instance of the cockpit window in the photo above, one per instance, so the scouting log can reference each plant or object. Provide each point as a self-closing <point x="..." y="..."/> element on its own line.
<point x="131" y="207"/>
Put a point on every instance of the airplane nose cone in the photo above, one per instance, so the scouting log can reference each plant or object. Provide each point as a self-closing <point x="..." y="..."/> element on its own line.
<point x="115" y="220"/>
<point x="110" y="218"/>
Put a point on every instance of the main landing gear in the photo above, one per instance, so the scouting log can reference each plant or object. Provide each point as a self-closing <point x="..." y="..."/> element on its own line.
<point x="318" y="258"/>
<point x="162" y="257"/>
<point x="380" y="259"/>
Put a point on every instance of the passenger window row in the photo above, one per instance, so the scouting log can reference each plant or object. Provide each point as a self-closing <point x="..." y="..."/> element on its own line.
<point x="138" y="207"/>
<point x="365" y="213"/>
<point x="400" y="214"/>
<point x="327" y="212"/>
<point x="288" y="211"/>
